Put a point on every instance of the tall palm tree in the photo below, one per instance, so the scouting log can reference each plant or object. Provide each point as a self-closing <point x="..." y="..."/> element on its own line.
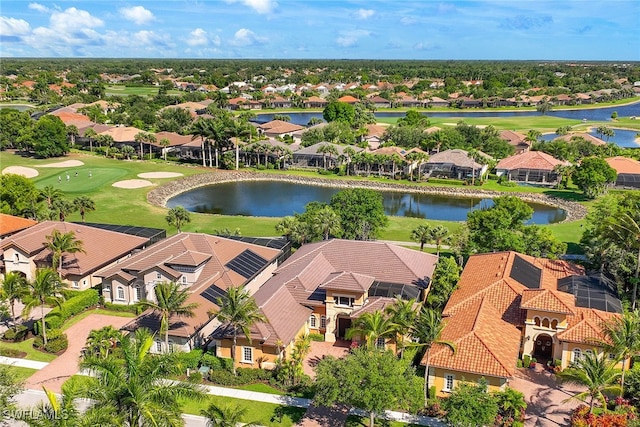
<point x="225" y="416"/>
<point x="239" y="310"/>
<point x="45" y="289"/>
<point x="178" y="216"/>
<point x="101" y="342"/>
<point x="60" y="208"/>
<point x="427" y="330"/>
<point x="403" y="315"/>
<point x="623" y="338"/>
<point x="439" y="234"/>
<point x="164" y="143"/>
<point x="371" y="326"/>
<point x="326" y="222"/>
<point x="171" y="300"/>
<point x="421" y="234"/>
<point x="49" y="193"/>
<point x="133" y="384"/>
<point x="202" y="129"/>
<point x="60" y="243"/>
<point x="14" y="287"/>
<point x="597" y="374"/>
<point x="84" y="204"/>
<point x="90" y="134"/>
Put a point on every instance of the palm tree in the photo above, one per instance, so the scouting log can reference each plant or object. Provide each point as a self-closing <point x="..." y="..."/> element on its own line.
<point x="164" y="143"/>
<point x="106" y="140"/>
<point x="225" y="416"/>
<point x="427" y="330"/>
<point x="402" y="314"/>
<point x="133" y="384"/>
<point x="171" y="300"/>
<point x="101" y="342"/>
<point x="90" y="134"/>
<point x="45" y="289"/>
<point x="60" y="243"/>
<point x="597" y="374"/>
<point x="239" y="310"/>
<point x="50" y="194"/>
<point x="371" y="326"/>
<point x="202" y="129"/>
<point x="421" y="234"/>
<point x="141" y="138"/>
<point x="324" y="150"/>
<point x="439" y="234"/>
<point x="627" y="229"/>
<point x="326" y="222"/>
<point x="178" y="216"/>
<point x="14" y="287"/>
<point x="48" y="413"/>
<point x="61" y="208"/>
<point x="128" y="151"/>
<point x="622" y="338"/>
<point x="84" y="204"/>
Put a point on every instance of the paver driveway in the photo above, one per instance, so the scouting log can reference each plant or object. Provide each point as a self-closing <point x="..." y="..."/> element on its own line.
<point x="320" y="349"/>
<point x="546" y="397"/>
<point x="66" y="365"/>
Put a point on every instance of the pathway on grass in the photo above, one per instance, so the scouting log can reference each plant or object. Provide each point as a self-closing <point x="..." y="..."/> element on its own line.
<point x="66" y="365"/>
<point x="22" y="363"/>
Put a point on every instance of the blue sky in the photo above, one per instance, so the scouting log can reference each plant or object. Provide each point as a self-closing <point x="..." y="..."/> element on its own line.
<point x="324" y="29"/>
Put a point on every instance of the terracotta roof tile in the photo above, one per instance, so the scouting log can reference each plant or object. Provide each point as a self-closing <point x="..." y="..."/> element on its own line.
<point x="530" y="160"/>
<point x="547" y="300"/>
<point x="348" y="281"/>
<point x="624" y="165"/>
<point x="10" y="224"/>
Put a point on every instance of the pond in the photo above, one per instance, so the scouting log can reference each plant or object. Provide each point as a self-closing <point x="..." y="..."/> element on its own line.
<point x="623" y="137"/>
<point x="279" y="199"/>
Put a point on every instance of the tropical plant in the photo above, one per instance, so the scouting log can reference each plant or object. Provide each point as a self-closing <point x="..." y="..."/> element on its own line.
<point x="14" y="288"/>
<point x="427" y="329"/>
<point x="170" y="301"/>
<point x="626" y="228"/>
<point x="421" y="234"/>
<point x="225" y="416"/>
<point x="60" y="243"/>
<point x="439" y="235"/>
<point x="597" y="374"/>
<point x="10" y="386"/>
<point x="239" y="311"/>
<point x="177" y="217"/>
<point x="101" y="342"/>
<point x="164" y="143"/>
<point x="622" y="338"/>
<point x="511" y="404"/>
<point x="60" y="209"/>
<point x="327" y="223"/>
<point x="402" y="314"/>
<point x="371" y="327"/>
<point x="84" y="204"/>
<point x="49" y="193"/>
<point x="127" y="151"/>
<point x="45" y="289"/>
<point x="133" y="385"/>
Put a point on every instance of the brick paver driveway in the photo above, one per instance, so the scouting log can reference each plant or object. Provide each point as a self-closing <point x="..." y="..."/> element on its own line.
<point x="319" y="349"/>
<point x="545" y="396"/>
<point x="66" y="365"/>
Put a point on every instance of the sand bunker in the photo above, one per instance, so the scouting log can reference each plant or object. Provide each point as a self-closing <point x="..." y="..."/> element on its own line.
<point x="65" y="164"/>
<point x="21" y="170"/>
<point x="132" y="183"/>
<point x="159" y="175"/>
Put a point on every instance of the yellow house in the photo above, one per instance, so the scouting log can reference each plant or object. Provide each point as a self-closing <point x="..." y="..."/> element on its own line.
<point x="508" y="305"/>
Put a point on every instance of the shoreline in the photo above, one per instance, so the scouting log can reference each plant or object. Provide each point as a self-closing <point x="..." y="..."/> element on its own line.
<point x="161" y="194"/>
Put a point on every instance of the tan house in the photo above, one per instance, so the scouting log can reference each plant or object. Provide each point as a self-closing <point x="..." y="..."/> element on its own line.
<point x="206" y="265"/>
<point x="628" y="170"/>
<point x="507" y="305"/>
<point x="531" y="167"/>
<point x="516" y="140"/>
<point x="280" y="128"/>
<point x="25" y="252"/>
<point x="321" y="288"/>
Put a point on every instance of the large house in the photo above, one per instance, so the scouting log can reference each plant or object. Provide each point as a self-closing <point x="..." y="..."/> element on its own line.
<point x="507" y="305"/>
<point x="454" y="163"/>
<point x="10" y="224"/>
<point x="628" y="170"/>
<point x="321" y="289"/>
<point x="531" y="167"/>
<point x="204" y="264"/>
<point x="25" y="252"/>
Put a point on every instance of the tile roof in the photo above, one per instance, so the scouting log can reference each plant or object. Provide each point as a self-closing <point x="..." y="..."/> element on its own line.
<point x="624" y="165"/>
<point x="373" y="304"/>
<point x="11" y="224"/>
<point x="98" y="254"/>
<point x="585" y="326"/>
<point x="122" y="134"/>
<point x="348" y="99"/>
<point x="537" y="160"/>
<point x="456" y="156"/>
<point x="279" y="127"/>
<point x="588" y="137"/>
<point x="348" y="281"/>
<point x="547" y="300"/>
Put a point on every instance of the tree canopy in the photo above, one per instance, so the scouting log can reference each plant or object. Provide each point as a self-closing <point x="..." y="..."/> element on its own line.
<point x="593" y="176"/>
<point x="361" y="213"/>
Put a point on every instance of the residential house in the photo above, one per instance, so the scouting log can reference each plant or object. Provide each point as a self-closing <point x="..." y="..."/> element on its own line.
<point x="380" y="102"/>
<point x="315" y="102"/>
<point x="398" y="161"/>
<point x="507" y="305"/>
<point x="435" y="101"/>
<point x="455" y="164"/>
<point x="279" y="128"/>
<point x="25" y="252"/>
<point x="10" y="224"/>
<point x="206" y="265"/>
<point x="348" y="99"/>
<point x="628" y="170"/>
<point x="313" y="157"/>
<point x="530" y="167"/>
<point x="321" y="288"/>
<point x="586" y="136"/>
<point x="374" y="135"/>
<point x="516" y="140"/>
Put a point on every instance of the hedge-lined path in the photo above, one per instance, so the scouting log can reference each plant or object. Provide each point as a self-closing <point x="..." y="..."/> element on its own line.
<point x="58" y="371"/>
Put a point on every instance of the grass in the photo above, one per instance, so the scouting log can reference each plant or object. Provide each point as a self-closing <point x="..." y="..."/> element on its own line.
<point x="121" y="90"/>
<point x="356" y="421"/>
<point x="32" y="354"/>
<point x="265" y="414"/>
<point x="261" y="388"/>
<point x="22" y="373"/>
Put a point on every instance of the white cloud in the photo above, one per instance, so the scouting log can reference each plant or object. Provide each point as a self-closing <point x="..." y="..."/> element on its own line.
<point x="244" y="37"/>
<point x="38" y="7"/>
<point x="350" y="38"/>
<point x="13" y="27"/>
<point x="260" y="6"/>
<point x="73" y="20"/>
<point x="365" y="13"/>
<point x="198" y="37"/>
<point x="137" y="14"/>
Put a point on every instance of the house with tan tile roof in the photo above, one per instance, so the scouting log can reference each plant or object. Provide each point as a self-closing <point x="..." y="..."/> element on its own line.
<point x="204" y="264"/>
<point x="507" y="305"/>
<point x="586" y="136"/>
<point x="315" y="102"/>
<point x="535" y="167"/>
<point x="454" y="163"/>
<point x="516" y="140"/>
<point x="276" y="128"/>
<point x="10" y="224"/>
<point x="25" y="252"/>
<point x="628" y="170"/>
<point x="348" y="99"/>
<point x="322" y="288"/>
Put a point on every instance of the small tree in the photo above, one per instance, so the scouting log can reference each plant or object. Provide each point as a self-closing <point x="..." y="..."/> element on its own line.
<point x="10" y="386"/>
<point x="421" y="234"/>
<point x="45" y="289"/>
<point x="177" y="217"/>
<point x="593" y="176"/>
<point x="84" y="204"/>
<point x="60" y="243"/>
<point x="14" y="288"/>
<point x="469" y="405"/>
<point x="225" y="416"/>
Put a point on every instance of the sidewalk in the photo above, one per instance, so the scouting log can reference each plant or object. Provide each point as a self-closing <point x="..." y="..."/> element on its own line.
<point x="22" y="363"/>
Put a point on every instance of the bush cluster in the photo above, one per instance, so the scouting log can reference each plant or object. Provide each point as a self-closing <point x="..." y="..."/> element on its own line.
<point x="316" y="337"/>
<point x="57" y="341"/>
<point x="445" y="181"/>
<point x="216" y="363"/>
<point x="11" y="352"/>
<point x="245" y="376"/>
<point x="123" y="308"/>
<point x="18" y="334"/>
<point x="80" y="302"/>
<point x="190" y="360"/>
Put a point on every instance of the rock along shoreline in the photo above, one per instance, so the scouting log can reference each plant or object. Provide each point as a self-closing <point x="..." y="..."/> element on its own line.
<point x="160" y="195"/>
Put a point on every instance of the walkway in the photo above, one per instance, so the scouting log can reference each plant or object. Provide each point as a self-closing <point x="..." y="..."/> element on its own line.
<point x="22" y="363"/>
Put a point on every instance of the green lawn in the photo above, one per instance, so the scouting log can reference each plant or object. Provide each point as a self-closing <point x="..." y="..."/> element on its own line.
<point x="265" y="414"/>
<point x="121" y="90"/>
<point x="261" y="388"/>
<point x="22" y="373"/>
<point x="32" y="354"/>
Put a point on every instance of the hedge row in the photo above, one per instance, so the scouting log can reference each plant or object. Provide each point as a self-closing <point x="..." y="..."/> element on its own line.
<point x="245" y="376"/>
<point x="80" y="302"/>
<point x="124" y="308"/>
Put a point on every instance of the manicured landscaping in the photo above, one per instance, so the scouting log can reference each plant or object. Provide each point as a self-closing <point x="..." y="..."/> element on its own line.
<point x="75" y="319"/>
<point x="261" y="388"/>
<point x="22" y="373"/>
<point x="26" y="346"/>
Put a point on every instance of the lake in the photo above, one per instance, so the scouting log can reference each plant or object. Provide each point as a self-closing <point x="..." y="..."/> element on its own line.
<point x="279" y="199"/>
<point x="623" y="137"/>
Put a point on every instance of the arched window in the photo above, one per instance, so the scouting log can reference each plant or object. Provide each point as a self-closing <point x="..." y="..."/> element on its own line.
<point x="312" y="321"/>
<point x="589" y="352"/>
<point x="545" y="323"/>
<point x="536" y="320"/>
<point x="120" y="293"/>
<point x="17" y="259"/>
<point x="577" y="355"/>
<point x="138" y="293"/>
<point x="554" y="324"/>
<point x="323" y="322"/>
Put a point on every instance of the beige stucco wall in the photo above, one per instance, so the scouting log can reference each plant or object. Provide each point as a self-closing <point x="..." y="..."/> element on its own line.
<point x="333" y="311"/>
<point x="21" y="263"/>
<point x="437" y="378"/>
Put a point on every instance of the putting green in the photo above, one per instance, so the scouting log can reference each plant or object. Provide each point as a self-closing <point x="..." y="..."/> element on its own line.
<point x="82" y="183"/>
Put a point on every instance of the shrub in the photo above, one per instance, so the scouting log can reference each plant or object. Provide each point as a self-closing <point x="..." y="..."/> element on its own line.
<point x="245" y="376"/>
<point x="445" y="181"/>
<point x="195" y="377"/>
<point x="57" y="345"/>
<point x="76" y="304"/>
<point x="11" y="352"/>
<point x="316" y="337"/>
<point x="17" y="334"/>
<point x="432" y="392"/>
<point x="519" y="363"/>
<point x="190" y="360"/>
<point x="224" y="378"/>
<point x="123" y="308"/>
<point x="526" y="360"/>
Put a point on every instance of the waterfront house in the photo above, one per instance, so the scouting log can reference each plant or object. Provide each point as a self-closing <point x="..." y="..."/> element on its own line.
<point x="534" y="167"/>
<point x="455" y="164"/>
<point x="628" y="170"/>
